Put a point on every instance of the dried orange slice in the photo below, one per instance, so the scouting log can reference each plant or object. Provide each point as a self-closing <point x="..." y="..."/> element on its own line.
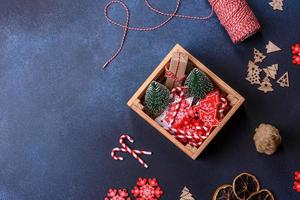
<point x="244" y="185"/>
<point x="262" y="195"/>
<point x="224" y="192"/>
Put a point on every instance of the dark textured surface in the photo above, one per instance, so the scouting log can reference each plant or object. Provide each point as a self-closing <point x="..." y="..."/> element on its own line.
<point x="60" y="115"/>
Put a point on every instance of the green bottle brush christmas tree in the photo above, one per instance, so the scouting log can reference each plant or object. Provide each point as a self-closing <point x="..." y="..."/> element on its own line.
<point x="157" y="98"/>
<point x="198" y="83"/>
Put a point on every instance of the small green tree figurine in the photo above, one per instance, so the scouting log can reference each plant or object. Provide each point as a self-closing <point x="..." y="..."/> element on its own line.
<point x="198" y="83"/>
<point x="157" y="98"/>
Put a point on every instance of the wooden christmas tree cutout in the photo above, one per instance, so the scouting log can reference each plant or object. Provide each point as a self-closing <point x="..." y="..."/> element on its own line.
<point x="252" y="67"/>
<point x="253" y="79"/>
<point x="186" y="195"/>
<point x="271" y="71"/>
<point x="266" y="86"/>
<point x="266" y="79"/>
<point x="283" y="81"/>
<point x="277" y="4"/>
<point x="258" y="56"/>
<point x="271" y="47"/>
<point x="253" y="73"/>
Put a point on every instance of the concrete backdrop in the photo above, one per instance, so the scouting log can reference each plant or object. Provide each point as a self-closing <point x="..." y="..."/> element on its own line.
<point x="60" y="114"/>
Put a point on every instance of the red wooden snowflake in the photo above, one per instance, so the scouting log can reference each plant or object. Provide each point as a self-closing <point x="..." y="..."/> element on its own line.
<point x="114" y="194"/>
<point x="297" y="181"/>
<point x="147" y="189"/>
<point x="296" y="53"/>
<point x="209" y="118"/>
<point x="209" y="103"/>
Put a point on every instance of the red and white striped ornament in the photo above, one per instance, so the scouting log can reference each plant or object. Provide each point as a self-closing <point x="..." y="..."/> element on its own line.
<point x="181" y="91"/>
<point x="132" y="152"/>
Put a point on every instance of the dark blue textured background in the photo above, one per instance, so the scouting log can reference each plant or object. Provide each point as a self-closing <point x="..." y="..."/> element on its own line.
<point x="60" y="115"/>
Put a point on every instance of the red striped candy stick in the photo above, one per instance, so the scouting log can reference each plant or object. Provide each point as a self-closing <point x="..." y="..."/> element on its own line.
<point x="184" y="132"/>
<point x="189" y="137"/>
<point x="133" y="152"/>
<point x="117" y="149"/>
<point x="181" y="97"/>
<point x="223" y="106"/>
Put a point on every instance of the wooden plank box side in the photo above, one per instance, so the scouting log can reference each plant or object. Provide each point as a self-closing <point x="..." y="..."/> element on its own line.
<point x="135" y="101"/>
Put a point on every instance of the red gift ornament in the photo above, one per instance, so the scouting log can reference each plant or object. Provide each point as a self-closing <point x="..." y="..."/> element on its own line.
<point x="117" y="194"/>
<point x="213" y="101"/>
<point x="147" y="189"/>
<point x="209" y="103"/>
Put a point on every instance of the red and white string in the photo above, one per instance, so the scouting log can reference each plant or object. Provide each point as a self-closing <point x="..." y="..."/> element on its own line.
<point x="126" y="26"/>
<point x="235" y="15"/>
<point x="237" y="18"/>
<point x="132" y="152"/>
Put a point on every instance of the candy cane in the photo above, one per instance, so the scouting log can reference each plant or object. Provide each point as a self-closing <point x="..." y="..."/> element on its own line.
<point x="187" y="137"/>
<point x="117" y="149"/>
<point x="181" y="97"/>
<point x="184" y="132"/>
<point x="133" y="152"/>
<point x="223" y="106"/>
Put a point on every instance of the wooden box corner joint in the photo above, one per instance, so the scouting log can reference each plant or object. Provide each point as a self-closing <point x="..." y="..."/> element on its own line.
<point x="137" y="103"/>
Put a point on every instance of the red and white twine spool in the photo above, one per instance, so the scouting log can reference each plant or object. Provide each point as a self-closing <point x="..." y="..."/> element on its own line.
<point x="235" y="15"/>
<point x="237" y="18"/>
<point x="132" y="152"/>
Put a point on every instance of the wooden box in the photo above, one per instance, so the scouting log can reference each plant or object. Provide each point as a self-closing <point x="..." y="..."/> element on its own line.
<point x="135" y="103"/>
